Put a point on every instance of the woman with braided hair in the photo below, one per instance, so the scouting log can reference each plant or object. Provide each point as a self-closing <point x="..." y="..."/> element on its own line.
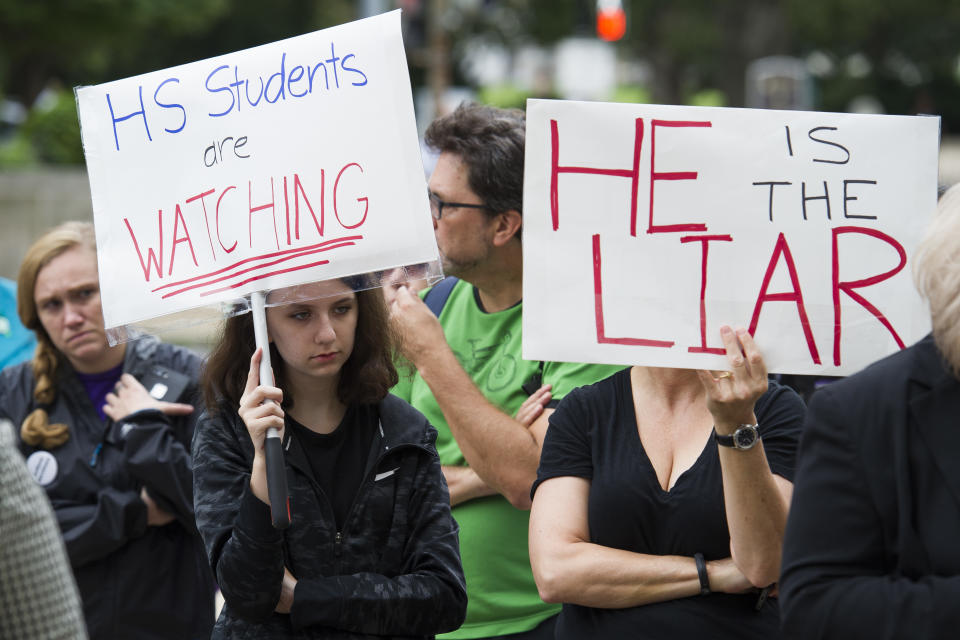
<point x="113" y="457"/>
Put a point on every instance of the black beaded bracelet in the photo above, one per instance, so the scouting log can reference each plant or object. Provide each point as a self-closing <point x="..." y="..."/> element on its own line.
<point x="702" y="574"/>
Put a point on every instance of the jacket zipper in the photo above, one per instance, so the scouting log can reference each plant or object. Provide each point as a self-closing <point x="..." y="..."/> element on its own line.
<point x="338" y="539"/>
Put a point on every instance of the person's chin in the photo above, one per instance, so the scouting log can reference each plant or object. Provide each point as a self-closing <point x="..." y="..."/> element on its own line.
<point x="87" y="349"/>
<point x="451" y="268"/>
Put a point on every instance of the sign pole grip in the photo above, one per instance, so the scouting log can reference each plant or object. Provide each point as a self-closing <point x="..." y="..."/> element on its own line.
<point x="273" y="446"/>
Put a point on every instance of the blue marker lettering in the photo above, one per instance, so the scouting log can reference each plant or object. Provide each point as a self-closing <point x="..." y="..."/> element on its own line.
<point x="333" y="62"/>
<point x="312" y="71"/>
<point x="295" y="75"/>
<point x="281" y="92"/>
<point x="173" y="105"/>
<point x="253" y="103"/>
<point x="219" y="89"/>
<point x="343" y="63"/>
<point x="236" y="85"/>
<point x="115" y="119"/>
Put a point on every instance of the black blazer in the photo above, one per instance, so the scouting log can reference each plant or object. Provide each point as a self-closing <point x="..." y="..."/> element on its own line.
<point x="872" y="547"/>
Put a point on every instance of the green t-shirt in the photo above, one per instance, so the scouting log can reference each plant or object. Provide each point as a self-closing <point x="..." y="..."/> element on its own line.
<point x="502" y="596"/>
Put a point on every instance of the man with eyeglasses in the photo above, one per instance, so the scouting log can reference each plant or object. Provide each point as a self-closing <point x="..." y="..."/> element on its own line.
<point x="470" y="378"/>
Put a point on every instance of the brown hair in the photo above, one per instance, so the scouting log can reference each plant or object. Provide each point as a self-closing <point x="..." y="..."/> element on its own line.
<point x="365" y="378"/>
<point x="36" y="430"/>
<point x="490" y="143"/>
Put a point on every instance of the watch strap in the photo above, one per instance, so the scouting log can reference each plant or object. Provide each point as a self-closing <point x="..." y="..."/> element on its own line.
<point x="731" y="440"/>
<point x="702" y="574"/>
<point x="725" y="441"/>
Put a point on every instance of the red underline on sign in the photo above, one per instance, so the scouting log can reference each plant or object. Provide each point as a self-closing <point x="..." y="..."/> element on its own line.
<point x="285" y="255"/>
<point x="258" y="267"/>
<point x="246" y="260"/>
<point x="265" y="275"/>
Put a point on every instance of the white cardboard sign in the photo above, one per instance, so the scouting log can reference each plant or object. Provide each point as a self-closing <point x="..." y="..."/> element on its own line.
<point x="286" y="163"/>
<point x="648" y="227"/>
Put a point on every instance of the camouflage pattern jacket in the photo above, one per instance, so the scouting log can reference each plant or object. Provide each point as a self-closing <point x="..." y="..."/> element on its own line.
<point x="393" y="571"/>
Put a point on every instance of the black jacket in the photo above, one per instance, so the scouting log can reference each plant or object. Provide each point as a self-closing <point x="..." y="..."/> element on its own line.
<point x="135" y="581"/>
<point x="394" y="569"/>
<point x="871" y="547"/>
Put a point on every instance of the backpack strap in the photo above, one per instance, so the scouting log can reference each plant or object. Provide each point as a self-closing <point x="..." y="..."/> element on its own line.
<point x="437" y="297"/>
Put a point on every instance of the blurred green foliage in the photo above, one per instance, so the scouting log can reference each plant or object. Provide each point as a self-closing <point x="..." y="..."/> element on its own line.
<point x="17" y="152"/>
<point x="906" y="53"/>
<point x="52" y="131"/>
<point x="708" y="98"/>
<point x="85" y="42"/>
<point x="632" y="94"/>
<point x="505" y="96"/>
<point x="912" y="50"/>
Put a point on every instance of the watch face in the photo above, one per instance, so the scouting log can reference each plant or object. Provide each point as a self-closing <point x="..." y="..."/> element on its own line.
<point x="745" y="437"/>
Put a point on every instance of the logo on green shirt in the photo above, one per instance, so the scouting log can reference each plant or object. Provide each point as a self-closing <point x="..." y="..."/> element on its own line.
<point x="503" y="371"/>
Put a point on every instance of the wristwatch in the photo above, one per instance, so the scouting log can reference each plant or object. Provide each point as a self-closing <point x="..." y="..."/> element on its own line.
<point x="745" y="437"/>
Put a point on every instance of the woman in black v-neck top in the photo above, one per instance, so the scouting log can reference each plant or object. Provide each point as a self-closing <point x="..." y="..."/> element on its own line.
<point x="633" y="485"/>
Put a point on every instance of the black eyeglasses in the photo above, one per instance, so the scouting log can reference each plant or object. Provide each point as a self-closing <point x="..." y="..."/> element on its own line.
<point x="437" y="205"/>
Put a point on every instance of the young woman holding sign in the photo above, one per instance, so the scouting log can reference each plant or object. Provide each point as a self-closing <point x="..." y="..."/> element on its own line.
<point x="371" y="549"/>
<point x="113" y="457"/>
<point x="661" y="501"/>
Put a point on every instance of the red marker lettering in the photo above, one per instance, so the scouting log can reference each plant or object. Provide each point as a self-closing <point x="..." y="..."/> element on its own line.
<point x="848" y="287"/>
<point x="556" y="169"/>
<point x="598" y="308"/>
<point x="297" y="192"/>
<point x="795" y="296"/>
<point x="363" y="199"/>
<point x="286" y="211"/>
<point x="253" y="209"/>
<point x="704" y="245"/>
<point x="669" y="175"/>
<point x="206" y="219"/>
<point x="216" y="221"/>
<point x="154" y="258"/>
<point x="177" y="218"/>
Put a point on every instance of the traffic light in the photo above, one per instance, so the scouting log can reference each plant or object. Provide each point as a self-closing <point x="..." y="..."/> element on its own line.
<point x="611" y="20"/>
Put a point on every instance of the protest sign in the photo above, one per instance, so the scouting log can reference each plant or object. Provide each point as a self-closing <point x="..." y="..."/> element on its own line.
<point x="286" y="163"/>
<point x="648" y="227"/>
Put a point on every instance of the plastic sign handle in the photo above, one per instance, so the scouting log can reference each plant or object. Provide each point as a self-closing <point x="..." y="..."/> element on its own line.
<point x="277" y="481"/>
<point x="273" y="446"/>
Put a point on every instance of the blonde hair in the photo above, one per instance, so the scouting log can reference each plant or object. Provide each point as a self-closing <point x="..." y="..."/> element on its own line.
<point x="936" y="270"/>
<point x="36" y="429"/>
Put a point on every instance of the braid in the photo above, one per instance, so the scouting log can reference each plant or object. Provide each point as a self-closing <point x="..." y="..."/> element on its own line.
<point x="36" y="430"/>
